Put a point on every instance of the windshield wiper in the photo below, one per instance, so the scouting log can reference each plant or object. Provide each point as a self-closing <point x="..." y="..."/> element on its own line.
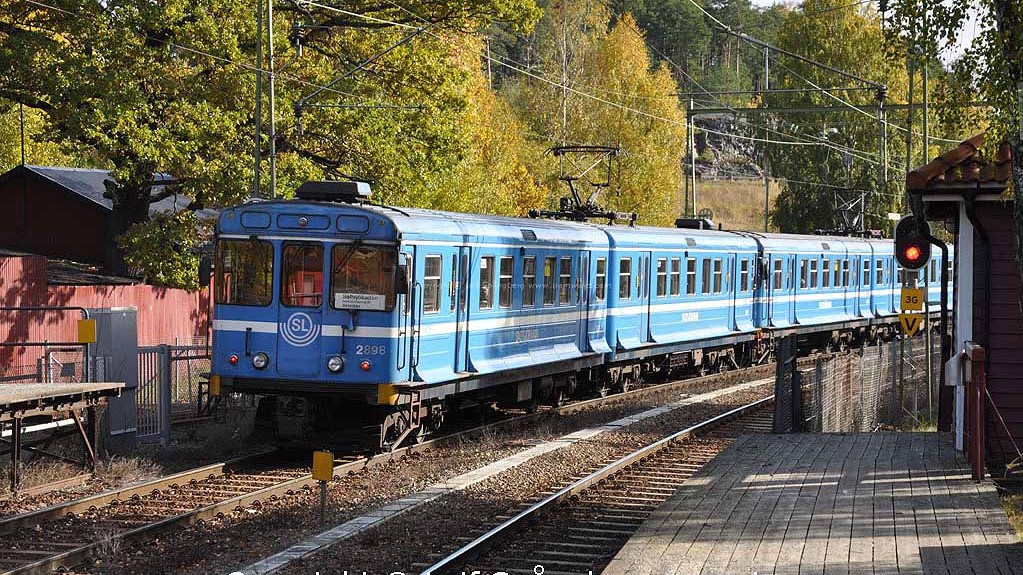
<point x="348" y="255"/>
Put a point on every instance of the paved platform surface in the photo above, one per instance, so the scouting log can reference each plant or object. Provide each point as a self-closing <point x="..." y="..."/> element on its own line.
<point x="877" y="503"/>
<point x="11" y="393"/>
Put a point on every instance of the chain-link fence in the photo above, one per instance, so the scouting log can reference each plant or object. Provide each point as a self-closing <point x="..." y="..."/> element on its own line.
<point x="875" y="387"/>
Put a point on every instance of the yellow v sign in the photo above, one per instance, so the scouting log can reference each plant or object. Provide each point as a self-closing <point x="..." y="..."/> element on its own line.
<point x="910" y="323"/>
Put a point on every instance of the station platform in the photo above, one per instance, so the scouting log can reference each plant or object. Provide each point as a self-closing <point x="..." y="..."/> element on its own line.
<point x="877" y="503"/>
<point x="59" y="410"/>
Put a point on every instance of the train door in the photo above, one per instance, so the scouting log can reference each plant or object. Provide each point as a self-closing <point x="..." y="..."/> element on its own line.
<point x="770" y="287"/>
<point x="791" y="281"/>
<point x="461" y="355"/>
<point x="642" y="284"/>
<point x="406" y="315"/>
<point x="300" y="313"/>
<point x="732" y="285"/>
<point x="583" y="301"/>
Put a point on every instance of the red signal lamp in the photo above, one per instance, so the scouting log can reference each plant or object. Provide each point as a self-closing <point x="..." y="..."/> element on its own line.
<point x="912" y="243"/>
<point x="233" y="359"/>
<point x="365" y="365"/>
<point x="912" y="253"/>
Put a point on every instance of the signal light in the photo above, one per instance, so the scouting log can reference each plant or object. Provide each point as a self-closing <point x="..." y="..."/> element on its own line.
<point x="365" y="365"/>
<point x="912" y="248"/>
<point x="912" y="253"/>
<point x="233" y="359"/>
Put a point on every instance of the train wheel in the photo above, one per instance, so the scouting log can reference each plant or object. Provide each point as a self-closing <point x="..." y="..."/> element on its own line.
<point x="601" y="388"/>
<point x="557" y="398"/>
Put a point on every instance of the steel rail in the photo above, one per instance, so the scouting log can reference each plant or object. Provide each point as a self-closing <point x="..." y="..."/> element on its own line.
<point x="483" y="542"/>
<point x="83" y="553"/>
<point x="9" y="524"/>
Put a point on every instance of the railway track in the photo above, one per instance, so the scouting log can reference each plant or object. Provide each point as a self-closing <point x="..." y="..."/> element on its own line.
<point x="72" y="533"/>
<point x="580" y="528"/>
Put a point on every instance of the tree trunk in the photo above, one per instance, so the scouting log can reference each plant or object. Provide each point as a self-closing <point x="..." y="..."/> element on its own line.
<point x="131" y="206"/>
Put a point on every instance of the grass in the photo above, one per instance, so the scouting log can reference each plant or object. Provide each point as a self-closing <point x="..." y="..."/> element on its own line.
<point x="737" y="205"/>
<point x="1013" y="505"/>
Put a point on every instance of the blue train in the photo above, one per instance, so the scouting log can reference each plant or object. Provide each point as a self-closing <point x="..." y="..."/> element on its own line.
<point x="384" y="318"/>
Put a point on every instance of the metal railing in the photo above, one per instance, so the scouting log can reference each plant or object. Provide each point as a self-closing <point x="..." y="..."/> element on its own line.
<point x="885" y="386"/>
<point x="171" y="379"/>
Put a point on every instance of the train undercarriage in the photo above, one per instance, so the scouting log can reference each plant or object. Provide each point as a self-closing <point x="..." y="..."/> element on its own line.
<point x="339" y="422"/>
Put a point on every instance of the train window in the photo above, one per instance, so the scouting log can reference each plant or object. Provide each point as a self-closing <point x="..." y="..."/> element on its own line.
<point x="302" y="276"/>
<point x="453" y="285"/>
<point x="804" y="275"/>
<point x="777" y="274"/>
<point x="431" y="284"/>
<point x="691" y="276"/>
<point x="676" y="276"/>
<point x="362" y="277"/>
<point x="813" y="273"/>
<point x="565" y="281"/>
<point x="879" y="272"/>
<point x="548" y="281"/>
<point x="662" y="277"/>
<point x="601" y="279"/>
<point x="826" y="274"/>
<point x="846" y="276"/>
<point x="625" y="278"/>
<point x="705" y="284"/>
<point x="743" y="275"/>
<point x="529" y="281"/>
<point x="934" y="270"/>
<point x="504" y="282"/>
<point x="487" y="282"/>
<point x="866" y="273"/>
<point x="244" y="272"/>
<point x="717" y="275"/>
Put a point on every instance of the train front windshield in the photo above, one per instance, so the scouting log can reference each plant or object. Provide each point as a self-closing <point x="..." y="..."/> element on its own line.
<point x="244" y="272"/>
<point x="362" y="277"/>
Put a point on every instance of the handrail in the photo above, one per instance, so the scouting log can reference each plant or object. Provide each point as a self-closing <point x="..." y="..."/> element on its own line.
<point x="978" y="392"/>
<point x="86" y="376"/>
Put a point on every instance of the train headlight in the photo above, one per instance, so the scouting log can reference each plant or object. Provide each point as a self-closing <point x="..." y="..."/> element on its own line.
<point x="365" y="365"/>
<point x="335" y="364"/>
<point x="260" y="360"/>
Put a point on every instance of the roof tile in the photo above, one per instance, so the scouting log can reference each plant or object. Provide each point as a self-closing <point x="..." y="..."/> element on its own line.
<point x="963" y="167"/>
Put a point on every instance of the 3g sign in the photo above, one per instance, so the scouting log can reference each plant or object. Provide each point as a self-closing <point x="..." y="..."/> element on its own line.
<point x="912" y="299"/>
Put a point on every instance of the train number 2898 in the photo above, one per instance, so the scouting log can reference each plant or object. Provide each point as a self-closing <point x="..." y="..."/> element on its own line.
<point x="370" y="349"/>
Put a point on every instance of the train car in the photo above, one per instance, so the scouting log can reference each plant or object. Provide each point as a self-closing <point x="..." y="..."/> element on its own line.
<point x="339" y="309"/>
<point x="683" y="295"/>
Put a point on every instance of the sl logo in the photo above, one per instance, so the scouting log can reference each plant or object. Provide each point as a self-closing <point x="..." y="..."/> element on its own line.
<point x="299" y="329"/>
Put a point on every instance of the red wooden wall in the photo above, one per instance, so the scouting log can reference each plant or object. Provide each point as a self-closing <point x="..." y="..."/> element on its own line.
<point x="164" y="315"/>
<point x="998" y="326"/>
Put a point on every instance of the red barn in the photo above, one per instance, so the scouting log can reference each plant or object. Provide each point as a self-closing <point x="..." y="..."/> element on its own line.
<point x="967" y="193"/>
<point x="61" y="212"/>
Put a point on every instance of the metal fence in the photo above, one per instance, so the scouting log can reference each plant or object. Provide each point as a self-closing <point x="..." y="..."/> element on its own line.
<point x="171" y="380"/>
<point x="877" y="387"/>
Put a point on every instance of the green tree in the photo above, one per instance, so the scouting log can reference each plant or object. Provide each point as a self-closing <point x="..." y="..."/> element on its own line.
<point x="989" y="70"/>
<point x="166" y="87"/>
<point x="616" y="97"/>
<point x="849" y="155"/>
<point x="111" y="78"/>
